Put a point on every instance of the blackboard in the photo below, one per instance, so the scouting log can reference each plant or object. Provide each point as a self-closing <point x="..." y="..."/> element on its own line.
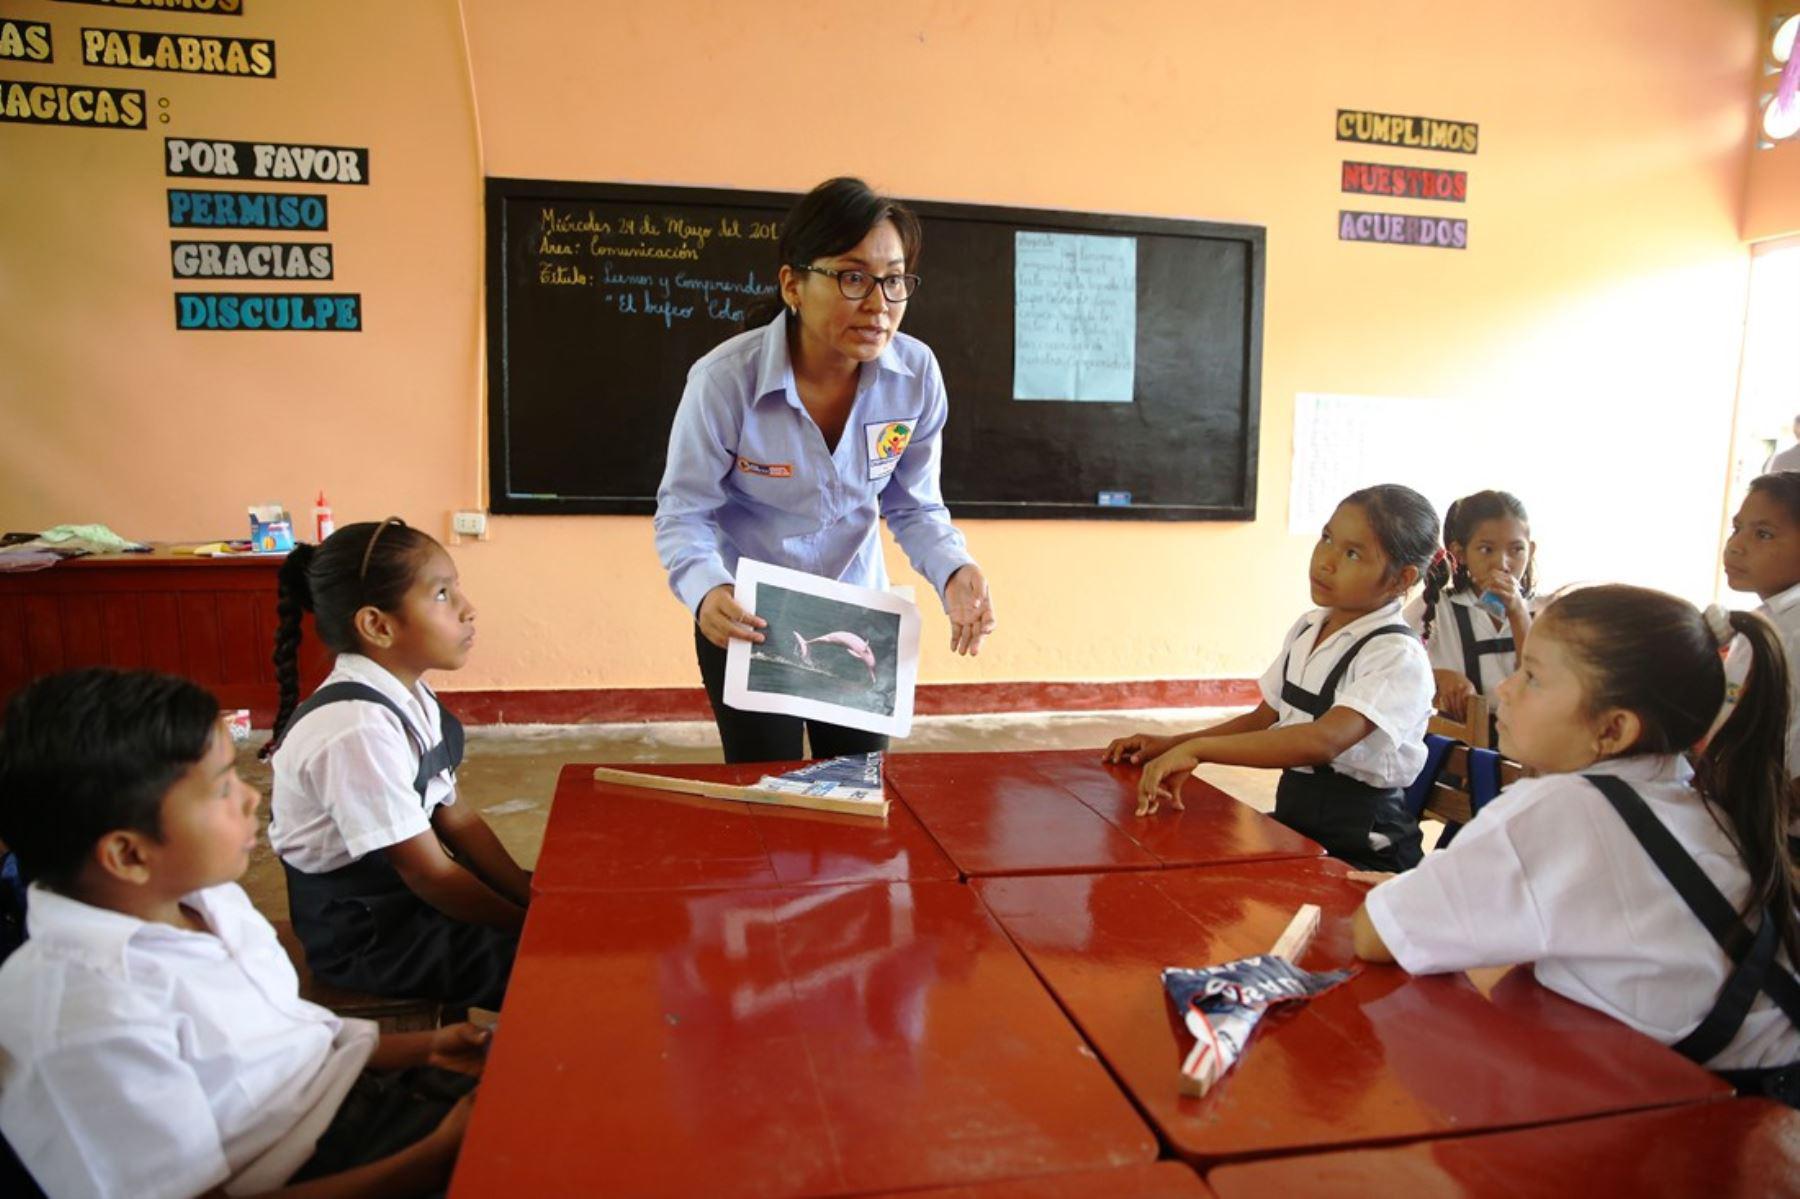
<point x="601" y="296"/>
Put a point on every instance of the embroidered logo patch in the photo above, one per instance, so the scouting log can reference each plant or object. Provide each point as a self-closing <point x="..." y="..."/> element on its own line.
<point x="768" y="470"/>
<point x="887" y="441"/>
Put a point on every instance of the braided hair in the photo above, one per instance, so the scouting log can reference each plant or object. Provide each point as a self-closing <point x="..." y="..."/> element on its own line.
<point x="370" y="564"/>
<point x="1448" y="573"/>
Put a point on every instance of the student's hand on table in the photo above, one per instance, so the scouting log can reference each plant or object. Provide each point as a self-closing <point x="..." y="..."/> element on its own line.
<point x="1454" y="690"/>
<point x="722" y="618"/>
<point x="459" y="1047"/>
<point x="970" y="608"/>
<point x="1137" y="748"/>
<point x="1162" y="779"/>
<point x="1373" y="878"/>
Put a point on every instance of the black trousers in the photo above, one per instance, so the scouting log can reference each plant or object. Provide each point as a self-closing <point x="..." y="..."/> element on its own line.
<point x="385" y="1111"/>
<point x="766" y="737"/>
<point x="1340" y="813"/>
<point x="364" y="928"/>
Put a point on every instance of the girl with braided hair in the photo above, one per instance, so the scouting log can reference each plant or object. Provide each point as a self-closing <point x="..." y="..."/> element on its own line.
<point x="394" y="887"/>
<point x="1476" y="608"/>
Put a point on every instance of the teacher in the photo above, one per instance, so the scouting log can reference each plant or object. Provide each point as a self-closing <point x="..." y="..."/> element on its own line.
<point x="793" y="436"/>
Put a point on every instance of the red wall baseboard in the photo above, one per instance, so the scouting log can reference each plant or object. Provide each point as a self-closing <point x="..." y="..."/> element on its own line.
<point x="932" y="699"/>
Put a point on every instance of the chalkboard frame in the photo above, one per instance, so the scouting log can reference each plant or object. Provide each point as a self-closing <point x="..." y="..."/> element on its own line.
<point x="502" y="189"/>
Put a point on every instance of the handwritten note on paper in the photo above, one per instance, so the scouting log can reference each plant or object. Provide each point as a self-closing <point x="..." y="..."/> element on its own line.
<point x="1074" y="317"/>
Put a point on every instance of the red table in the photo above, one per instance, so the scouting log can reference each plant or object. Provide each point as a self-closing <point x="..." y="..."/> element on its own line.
<point x="1734" y="1149"/>
<point x="607" y="837"/>
<point x="1163" y="1180"/>
<point x="1062" y="811"/>
<point x="1384" y="1057"/>
<point x="794" y="1041"/>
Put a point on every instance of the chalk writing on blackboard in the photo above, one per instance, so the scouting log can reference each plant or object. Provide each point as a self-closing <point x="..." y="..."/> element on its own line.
<point x="669" y="269"/>
<point x="1074" y="317"/>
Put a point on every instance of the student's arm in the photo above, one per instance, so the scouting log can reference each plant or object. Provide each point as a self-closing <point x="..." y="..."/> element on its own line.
<point x="1454" y="691"/>
<point x="1365" y="941"/>
<point x="421" y="1168"/>
<point x="459" y="1047"/>
<point x="476" y="847"/>
<point x="1140" y="747"/>
<point x="441" y="881"/>
<point x="1312" y="744"/>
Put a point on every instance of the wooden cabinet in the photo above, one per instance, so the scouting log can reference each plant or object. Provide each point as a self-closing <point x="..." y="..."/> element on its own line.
<point x="211" y="619"/>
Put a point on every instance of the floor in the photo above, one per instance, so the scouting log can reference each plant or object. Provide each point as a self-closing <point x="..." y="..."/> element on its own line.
<point x="509" y="772"/>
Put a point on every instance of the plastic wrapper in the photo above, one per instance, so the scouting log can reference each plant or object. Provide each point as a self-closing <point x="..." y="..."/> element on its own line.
<point x="1222" y="1005"/>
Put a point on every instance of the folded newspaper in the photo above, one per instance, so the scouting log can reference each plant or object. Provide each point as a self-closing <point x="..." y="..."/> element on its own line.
<point x="853" y="776"/>
<point x="1222" y="1005"/>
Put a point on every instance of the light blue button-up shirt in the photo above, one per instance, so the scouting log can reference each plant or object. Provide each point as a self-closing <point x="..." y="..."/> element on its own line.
<point x="749" y="474"/>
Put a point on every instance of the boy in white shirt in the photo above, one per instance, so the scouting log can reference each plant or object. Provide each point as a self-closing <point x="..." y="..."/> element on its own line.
<point x="152" y="1038"/>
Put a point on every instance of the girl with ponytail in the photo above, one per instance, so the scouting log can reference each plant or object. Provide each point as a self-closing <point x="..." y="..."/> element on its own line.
<point x="393" y="887"/>
<point x="1476" y="608"/>
<point x="1637" y="881"/>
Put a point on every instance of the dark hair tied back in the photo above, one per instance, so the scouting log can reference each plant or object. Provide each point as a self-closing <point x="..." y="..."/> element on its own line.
<point x="1404" y="522"/>
<point x="831" y="219"/>
<point x="368" y="564"/>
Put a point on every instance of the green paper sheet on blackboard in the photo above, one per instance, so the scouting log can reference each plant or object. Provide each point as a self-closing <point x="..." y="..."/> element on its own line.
<point x="1074" y="317"/>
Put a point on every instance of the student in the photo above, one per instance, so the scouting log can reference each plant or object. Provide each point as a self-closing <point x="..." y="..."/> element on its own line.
<point x="1344" y="703"/>
<point x="1620" y="870"/>
<point x="1762" y="555"/>
<point x="153" y="1041"/>
<point x="795" y="438"/>
<point x="1488" y="551"/>
<point x="394" y="888"/>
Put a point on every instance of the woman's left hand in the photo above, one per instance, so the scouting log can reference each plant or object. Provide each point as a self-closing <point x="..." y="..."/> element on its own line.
<point x="459" y="1047"/>
<point x="970" y="608"/>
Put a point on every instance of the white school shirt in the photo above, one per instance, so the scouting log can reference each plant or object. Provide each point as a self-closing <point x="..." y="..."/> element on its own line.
<point x="142" y="1061"/>
<point x="344" y="775"/>
<point x="749" y="474"/>
<point x="1389" y="682"/>
<point x="1445" y="649"/>
<point x="1552" y="875"/>
<point x="1783" y="611"/>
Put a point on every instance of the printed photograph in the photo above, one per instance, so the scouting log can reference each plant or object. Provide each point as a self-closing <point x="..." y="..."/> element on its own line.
<point x="826" y="650"/>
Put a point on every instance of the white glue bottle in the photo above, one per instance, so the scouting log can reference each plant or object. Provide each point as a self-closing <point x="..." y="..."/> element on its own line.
<point x="322" y="521"/>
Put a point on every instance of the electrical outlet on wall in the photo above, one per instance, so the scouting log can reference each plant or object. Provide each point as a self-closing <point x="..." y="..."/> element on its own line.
<point x="468" y="523"/>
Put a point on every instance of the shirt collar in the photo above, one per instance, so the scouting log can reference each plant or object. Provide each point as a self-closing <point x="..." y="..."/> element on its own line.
<point x="96" y="935"/>
<point x="1646" y="768"/>
<point x="367" y="670"/>
<point x="1388" y="613"/>
<point x="776" y="371"/>
<point x="1782" y="601"/>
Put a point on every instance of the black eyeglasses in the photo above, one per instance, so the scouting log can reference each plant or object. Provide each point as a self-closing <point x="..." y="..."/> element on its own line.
<point x="856" y="285"/>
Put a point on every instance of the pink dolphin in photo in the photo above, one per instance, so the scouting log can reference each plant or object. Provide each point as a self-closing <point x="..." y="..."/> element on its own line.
<point x="850" y="643"/>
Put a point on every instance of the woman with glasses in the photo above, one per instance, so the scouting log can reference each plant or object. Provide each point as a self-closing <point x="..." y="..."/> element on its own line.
<point x="794" y="437"/>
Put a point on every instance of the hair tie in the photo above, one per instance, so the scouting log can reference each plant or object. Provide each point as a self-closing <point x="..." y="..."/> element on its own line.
<point x="1718" y="622"/>
<point x="369" y="549"/>
<point x="1439" y="556"/>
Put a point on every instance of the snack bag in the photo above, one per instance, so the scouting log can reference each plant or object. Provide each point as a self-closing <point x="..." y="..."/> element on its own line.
<point x="1222" y="1004"/>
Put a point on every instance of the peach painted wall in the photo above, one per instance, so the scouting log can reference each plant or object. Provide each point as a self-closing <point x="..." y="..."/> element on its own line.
<point x="1596" y="316"/>
<point x="1772" y="189"/>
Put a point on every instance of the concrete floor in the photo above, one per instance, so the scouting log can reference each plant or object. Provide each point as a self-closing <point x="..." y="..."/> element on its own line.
<point x="509" y="772"/>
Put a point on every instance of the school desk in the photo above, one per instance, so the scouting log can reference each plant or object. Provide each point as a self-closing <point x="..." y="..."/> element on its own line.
<point x="1161" y="1180"/>
<point x="782" y="1041"/>
<point x="1384" y="1057"/>
<point x="1063" y="811"/>
<point x="610" y="837"/>
<point x="211" y="619"/>
<point x="1733" y="1149"/>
